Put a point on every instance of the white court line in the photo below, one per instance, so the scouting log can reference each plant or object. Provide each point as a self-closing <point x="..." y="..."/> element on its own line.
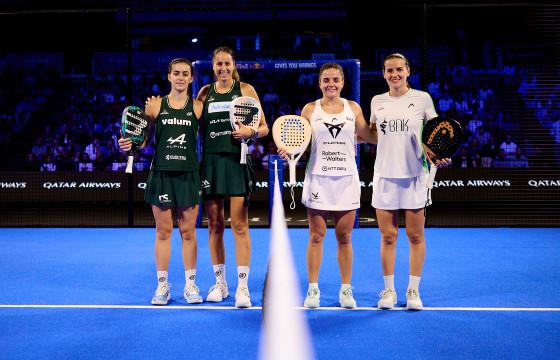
<point x="206" y="307"/>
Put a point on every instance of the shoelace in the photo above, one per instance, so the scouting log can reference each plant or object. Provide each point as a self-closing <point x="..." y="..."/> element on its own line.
<point x="385" y="292"/>
<point x="193" y="290"/>
<point x="162" y="290"/>
<point x="244" y="291"/>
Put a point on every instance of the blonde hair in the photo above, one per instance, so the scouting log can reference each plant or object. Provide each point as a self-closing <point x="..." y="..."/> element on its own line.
<point x="396" y="56"/>
<point x="227" y="50"/>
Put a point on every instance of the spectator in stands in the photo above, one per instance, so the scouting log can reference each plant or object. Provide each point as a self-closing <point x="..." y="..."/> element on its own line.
<point x="48" y="164"/>
<point x="463" y="160"/>
<point x="39" y="149"/>
<point x="488" y="152"/>
<point x="85" y="163"/>
<point x="509" y="147"/>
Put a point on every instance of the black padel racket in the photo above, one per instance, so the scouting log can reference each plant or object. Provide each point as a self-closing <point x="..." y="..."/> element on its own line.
<point x="133" y="126"/>
<point x="442" y="137"/>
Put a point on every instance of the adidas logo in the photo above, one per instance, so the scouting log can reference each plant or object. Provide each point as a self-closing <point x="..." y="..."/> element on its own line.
<point x="205" y="184"/>
<point x="164" y="112"/>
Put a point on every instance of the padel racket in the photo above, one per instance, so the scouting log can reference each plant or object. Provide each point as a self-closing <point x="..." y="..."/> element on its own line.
<point x="441" y="137"/>
<point x="247" y="111"/>
<point x="133" y="126"/>
<point x="293" y="133"/>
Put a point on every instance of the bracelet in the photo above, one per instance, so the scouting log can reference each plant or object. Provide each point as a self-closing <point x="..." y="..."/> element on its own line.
<point x="254" y="134"/>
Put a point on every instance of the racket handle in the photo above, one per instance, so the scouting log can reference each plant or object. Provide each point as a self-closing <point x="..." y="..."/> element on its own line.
<point x="129" y="164"/>
<point x="244" y="151"/>
<point x="292" y="165"/>
<point x="431" y="177"/>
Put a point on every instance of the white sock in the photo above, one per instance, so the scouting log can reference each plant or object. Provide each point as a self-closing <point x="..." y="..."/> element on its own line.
<point x="242" y="276"/>
<point x="413" y="282"/>
<point x="162" y="277"/>
<point x="220" y="273"/>
<point x="313" y="286"/>
<point x="190" y="277"/>
<point x="345" y="287"/>
<point x="389" y="281"/>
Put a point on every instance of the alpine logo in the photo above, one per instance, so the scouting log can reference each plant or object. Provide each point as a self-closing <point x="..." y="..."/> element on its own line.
<point x="334" y="129"/>
<point x="179" y="139"/>
<point x="383" y="125"/>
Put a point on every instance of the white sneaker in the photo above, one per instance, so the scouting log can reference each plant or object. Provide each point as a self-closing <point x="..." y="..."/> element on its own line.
<point x="242" y="297"/>
<point x="162" y="295"/>
<point x="387" y="299"/>
<point x="192" y="294"/>
<point x="346" y="299"/>
<point x="217" y="292"/>
<point x="313" y="298"/>
<point x="413" y="301"/>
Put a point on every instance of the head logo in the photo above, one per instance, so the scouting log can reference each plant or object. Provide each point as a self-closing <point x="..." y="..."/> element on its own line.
<point x="334" y="129"/>
<point x="383" y="125"/>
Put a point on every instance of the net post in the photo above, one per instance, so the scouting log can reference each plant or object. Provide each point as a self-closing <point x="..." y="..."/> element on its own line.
<point x="271" y="160"/>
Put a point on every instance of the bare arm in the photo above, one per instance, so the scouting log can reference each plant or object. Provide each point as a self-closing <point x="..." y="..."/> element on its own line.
<point x="203" y="93"/>
<point x="368" y="134"/>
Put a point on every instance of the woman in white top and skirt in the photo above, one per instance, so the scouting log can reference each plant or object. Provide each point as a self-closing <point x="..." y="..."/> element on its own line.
<point x="332" y="184"/>
<point x="400" y="174"/>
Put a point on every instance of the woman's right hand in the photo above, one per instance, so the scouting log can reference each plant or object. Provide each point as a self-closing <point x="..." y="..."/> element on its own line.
<point x="283" y="153"/>
<point x="125" y="144"/>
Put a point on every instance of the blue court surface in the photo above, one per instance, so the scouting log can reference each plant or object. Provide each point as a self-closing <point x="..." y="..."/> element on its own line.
<point x="490" y="293"/>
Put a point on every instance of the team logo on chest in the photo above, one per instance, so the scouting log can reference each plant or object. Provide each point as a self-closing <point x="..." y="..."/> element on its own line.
<point x="334" y="129"/>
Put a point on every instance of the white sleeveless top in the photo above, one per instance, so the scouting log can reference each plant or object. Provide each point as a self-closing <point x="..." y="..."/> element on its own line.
<point x="333" y="142"/>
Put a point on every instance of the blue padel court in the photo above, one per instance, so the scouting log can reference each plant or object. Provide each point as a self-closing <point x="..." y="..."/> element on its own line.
<point x="490" y="293"/>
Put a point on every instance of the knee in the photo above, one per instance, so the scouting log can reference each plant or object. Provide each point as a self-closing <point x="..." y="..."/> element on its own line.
<point x="239" y="228"/>
<point x="344" y="239"/>
<point x="163" y="232"/>
<point x="389" y="238"/>
<point x="316" y="238"/>
<point x="216" y="225"/>
<point x="415" y="238"/>
<point x="188" y="235"/>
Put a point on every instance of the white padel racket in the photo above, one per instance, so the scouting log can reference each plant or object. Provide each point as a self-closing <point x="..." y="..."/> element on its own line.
<point x="247" y="111"/>
<point x="293" y="133"/>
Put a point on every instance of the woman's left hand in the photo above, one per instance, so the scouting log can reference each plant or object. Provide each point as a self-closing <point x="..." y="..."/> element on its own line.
<point x="244" y="132"/>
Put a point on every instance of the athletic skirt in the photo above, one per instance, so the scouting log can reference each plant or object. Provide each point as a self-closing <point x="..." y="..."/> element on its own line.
<point x="400" y="193"/>
<point x="222" y="175"/>
<point x="173" y="188"/>
<point x="333" y="193"/>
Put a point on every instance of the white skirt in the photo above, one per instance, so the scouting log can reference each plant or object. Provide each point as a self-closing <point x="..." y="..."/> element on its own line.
<point x="400" y="193"/>
<point x="333" y="193"/>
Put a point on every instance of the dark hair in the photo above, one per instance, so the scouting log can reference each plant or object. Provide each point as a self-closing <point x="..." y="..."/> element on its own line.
<point x="331" y="65"/>
<point x="181" y="61"/>
<point x="229" y="51"/>
<point x="396" y="56"/>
